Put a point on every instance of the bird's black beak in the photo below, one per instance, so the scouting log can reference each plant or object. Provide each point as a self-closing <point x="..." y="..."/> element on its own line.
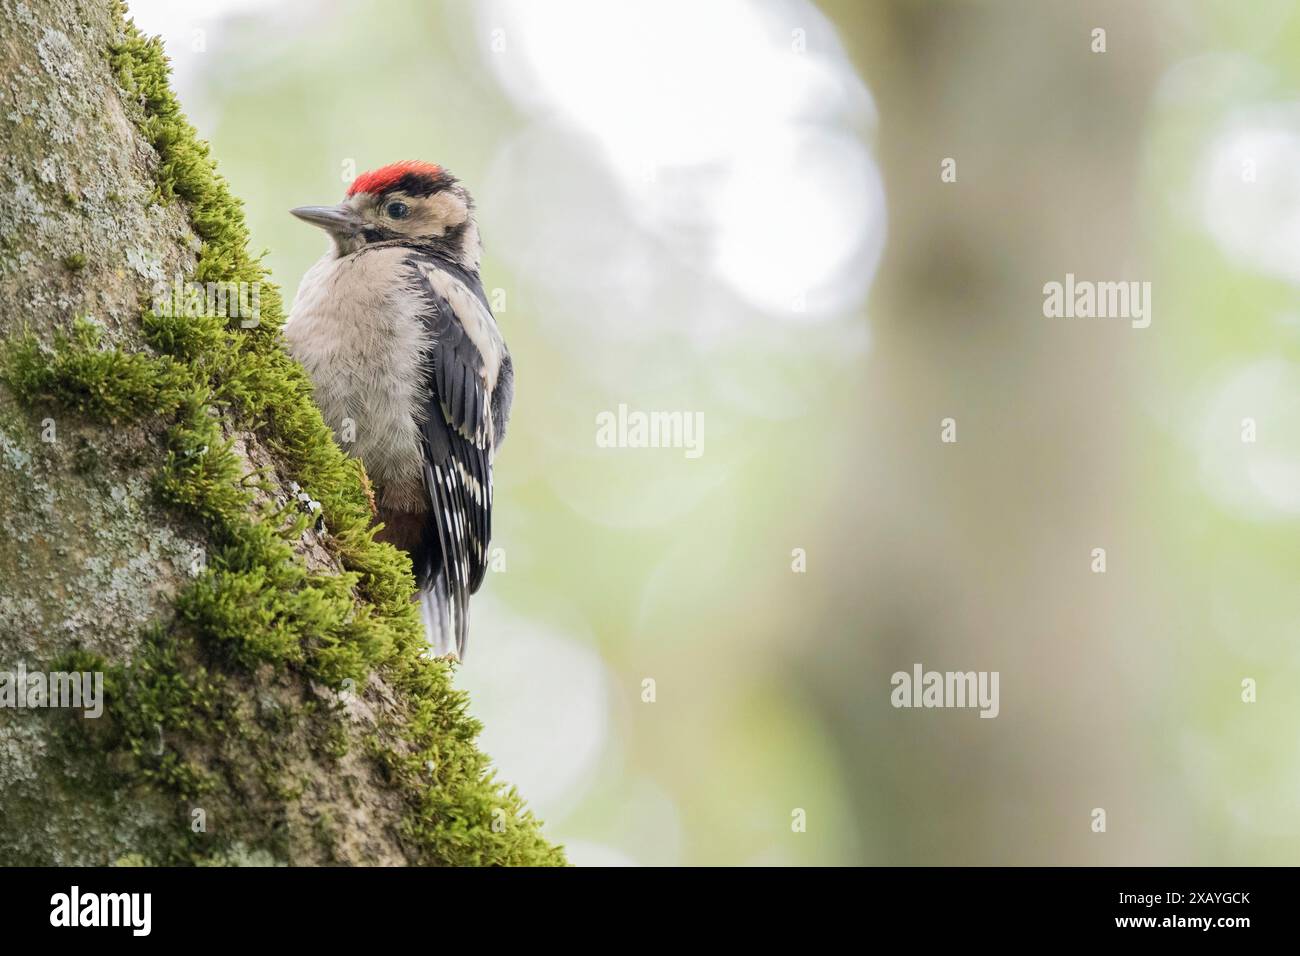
<point x="338" y="221"/>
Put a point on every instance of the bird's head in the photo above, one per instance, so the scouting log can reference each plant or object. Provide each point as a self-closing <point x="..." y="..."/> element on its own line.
<point x="408" y="203"/>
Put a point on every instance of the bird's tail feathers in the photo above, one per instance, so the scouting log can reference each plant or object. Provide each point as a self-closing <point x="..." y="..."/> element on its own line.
<point x="446" y="618"/>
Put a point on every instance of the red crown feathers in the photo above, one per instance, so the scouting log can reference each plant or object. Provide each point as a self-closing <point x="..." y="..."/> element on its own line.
<point x="378" y="180"/>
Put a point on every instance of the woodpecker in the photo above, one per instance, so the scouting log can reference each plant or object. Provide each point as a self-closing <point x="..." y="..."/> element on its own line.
<point x="411" y="372"/>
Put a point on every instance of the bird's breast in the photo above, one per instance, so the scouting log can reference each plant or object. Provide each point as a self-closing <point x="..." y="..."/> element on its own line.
<point x="363" y="344"/>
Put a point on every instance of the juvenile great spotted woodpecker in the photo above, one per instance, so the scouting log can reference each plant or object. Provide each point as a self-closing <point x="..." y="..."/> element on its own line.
<point x="411" y="372"/>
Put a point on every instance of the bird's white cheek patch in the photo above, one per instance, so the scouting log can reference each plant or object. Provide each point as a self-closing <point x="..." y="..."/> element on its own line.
<point x="436" y="215"/>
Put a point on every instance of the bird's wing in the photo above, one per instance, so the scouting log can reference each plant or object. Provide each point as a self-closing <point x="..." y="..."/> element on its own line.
<point x="464" y="362"/>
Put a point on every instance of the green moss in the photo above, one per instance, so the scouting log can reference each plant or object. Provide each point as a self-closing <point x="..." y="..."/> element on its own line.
<point x="105" y="384"/>
<point x="257" y="619"/>
<point x="164" y="693"/>
<point x="74" y="261"/>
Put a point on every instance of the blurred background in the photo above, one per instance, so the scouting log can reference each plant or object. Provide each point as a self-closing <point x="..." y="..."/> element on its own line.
<point x="736" y="209"/>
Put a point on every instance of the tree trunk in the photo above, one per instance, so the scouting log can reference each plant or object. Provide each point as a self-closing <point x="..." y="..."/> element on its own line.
<point x="175" y="517"/>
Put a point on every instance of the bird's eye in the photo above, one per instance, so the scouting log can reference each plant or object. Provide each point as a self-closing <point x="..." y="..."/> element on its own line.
<point x="397" y="210"/>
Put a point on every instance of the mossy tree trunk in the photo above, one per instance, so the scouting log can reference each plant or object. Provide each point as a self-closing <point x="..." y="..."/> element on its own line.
<point x="267" y="694"/>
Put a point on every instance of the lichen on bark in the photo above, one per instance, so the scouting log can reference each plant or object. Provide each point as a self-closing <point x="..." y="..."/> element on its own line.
<point x="269" y="697"/>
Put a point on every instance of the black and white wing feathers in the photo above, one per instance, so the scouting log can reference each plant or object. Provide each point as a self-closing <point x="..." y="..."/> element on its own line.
<point x="467" y="366"/>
